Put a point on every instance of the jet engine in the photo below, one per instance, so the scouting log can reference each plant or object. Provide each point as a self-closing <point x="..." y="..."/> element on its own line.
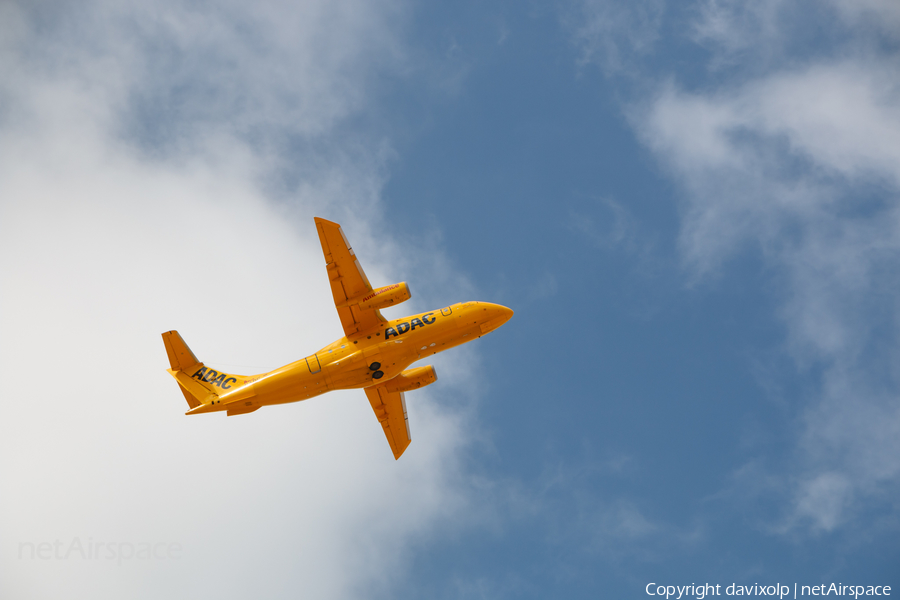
<point x="382" y="297"/>
<point x="412" y="379"/>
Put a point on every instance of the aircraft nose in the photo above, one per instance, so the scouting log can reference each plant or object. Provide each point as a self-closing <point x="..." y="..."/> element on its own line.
<point x="503" y="312"/>
<point x="497" y="315"/>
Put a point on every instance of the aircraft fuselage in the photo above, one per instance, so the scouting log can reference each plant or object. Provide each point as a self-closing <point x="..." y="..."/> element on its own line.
<point x="347" y="363"/>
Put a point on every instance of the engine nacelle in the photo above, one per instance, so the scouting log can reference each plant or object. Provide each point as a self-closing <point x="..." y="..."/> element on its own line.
<point x="383" y="297"/>
<point x="412" y="379"/>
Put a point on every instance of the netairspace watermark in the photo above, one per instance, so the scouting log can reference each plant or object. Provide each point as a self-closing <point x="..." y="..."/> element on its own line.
<point x="781" y="590"/>
<point x="91" y="550"/>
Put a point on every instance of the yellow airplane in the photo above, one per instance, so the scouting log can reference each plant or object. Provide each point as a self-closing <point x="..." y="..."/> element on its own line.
<point x="373" y="354"/>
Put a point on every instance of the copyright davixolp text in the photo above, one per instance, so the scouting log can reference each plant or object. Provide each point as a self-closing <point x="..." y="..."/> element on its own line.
<point x="780" y="590"/>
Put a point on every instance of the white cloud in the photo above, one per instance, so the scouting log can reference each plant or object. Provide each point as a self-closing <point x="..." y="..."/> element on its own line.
<point x="109" y="237"/>
<point x="804" y="164"/>
<point x="614" y="34"/>
<point x="735" y="28"/>
<point x="880" y="15"/>
<point x="755" y="37"/>
<point x="732" y="149"/>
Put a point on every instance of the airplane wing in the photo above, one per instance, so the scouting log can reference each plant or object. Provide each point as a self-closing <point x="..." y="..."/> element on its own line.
<point x="348" y="280"/>
<point x="390" y="408"/>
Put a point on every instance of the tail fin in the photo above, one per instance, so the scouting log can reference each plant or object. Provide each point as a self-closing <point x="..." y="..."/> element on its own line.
<point x="180" y="356"/>
<point x="199" y="384"/>
<point x="184" y="365"/>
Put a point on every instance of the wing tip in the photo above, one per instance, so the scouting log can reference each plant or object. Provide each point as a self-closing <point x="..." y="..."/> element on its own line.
<point x="398" y="453"/>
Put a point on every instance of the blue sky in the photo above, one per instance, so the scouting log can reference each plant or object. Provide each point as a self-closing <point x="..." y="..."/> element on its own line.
<point x="691" y="207"/>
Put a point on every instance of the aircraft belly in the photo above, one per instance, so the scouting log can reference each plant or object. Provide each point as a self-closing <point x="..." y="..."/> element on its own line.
<point x="292" y="386"/>
<point x="341" y="379"/>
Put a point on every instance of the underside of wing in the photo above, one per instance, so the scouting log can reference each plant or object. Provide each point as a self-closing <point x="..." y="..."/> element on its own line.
<point x="390" y="408"/>
<point x="348" y="280"/>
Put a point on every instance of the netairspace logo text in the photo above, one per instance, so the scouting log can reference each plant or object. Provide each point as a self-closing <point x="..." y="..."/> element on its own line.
<point x="112" y="551"/>
<point x="701" y="591"/>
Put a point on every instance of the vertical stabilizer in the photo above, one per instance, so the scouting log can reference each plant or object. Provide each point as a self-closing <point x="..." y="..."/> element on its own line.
<point x="181" y="359"/>
<point x="201" y="385"/>
<point x="180" y="356"/>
